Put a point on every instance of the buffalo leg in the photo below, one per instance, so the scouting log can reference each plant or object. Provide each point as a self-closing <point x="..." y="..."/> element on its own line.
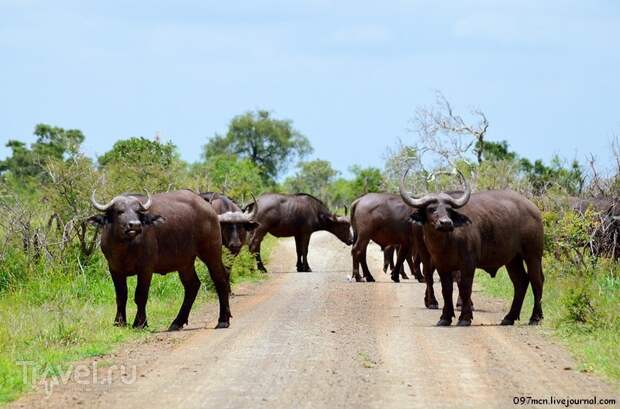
<point x="404" y="275"/>
<point x="191" y="285"/>
<point x="400" y="260"/>
<point x="358" y="252"/>
<point x="448" y="306"/>
<point x="305" y="244"/>
<point x="120" y="288"/>
<point x="414" y="266"/>
<point x="520" y="282"/>
<point x="537" y="278"/>
<point x="221" y="280"/>
<point x="465" y="285"/>
<point x="355" y="257"/>
<point x="255" y="242"/>
<point x="141" y="297"/>
<point x="299" y="251"/>
<point x="430" y="301"/>
<point x="388" y="258"/>
<point x="369" y="278"/>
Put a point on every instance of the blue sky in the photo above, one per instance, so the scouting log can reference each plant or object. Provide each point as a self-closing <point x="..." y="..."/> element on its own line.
<point x="348" y="73"/>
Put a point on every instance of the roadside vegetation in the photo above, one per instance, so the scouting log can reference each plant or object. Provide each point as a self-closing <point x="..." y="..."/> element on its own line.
<point x="56" y="297"/>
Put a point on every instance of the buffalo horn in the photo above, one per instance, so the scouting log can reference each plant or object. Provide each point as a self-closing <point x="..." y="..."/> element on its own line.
<point x="252" y="215"/>
<point x="149" y="201"/>
<point x="461" y="201"/>
<point x="412" y="201"/>
<point x="99" y="206"/>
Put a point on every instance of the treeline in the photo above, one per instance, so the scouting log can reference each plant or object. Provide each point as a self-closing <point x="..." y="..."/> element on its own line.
<point x="45" y="187"/>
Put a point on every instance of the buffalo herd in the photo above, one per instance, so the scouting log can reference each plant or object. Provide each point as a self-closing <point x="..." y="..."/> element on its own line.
<point x="453" y="232"/>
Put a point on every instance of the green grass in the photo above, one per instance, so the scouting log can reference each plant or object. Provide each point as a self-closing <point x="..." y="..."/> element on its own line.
<point x="54" y="315"/>
<point x="581" y="307"/>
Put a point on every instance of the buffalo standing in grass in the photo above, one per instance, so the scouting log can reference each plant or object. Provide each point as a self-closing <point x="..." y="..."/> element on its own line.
<point x="484" y="230"/>
<point x="297" y="215"/>
<point x="234" y="226"/>
<point x="162" y="234"/>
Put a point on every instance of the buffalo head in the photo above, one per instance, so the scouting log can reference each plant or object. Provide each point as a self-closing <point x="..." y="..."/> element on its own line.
<point x="438" y="209"/>
<point x="340" y="226"/>
<point x="234" y="226"/>
<point x="126" y="214"/>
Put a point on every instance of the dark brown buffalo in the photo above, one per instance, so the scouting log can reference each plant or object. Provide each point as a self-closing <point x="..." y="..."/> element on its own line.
<point x="384" y="219"/>
<point x="234" y="235"/>
<point x="490" y="229"/>
<point x="162" y="234"/>
<point x="295" y="215"/>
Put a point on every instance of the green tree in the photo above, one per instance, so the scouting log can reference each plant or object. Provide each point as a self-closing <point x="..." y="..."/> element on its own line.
<point x="340" y="193"/>
<point x="137" y="163"/>
<point x="52" y="143"/>
<point x="569" y="178"/>
<point x="495" y="151"/>
<point x="237" y="178"/>
<point x="366" y="180"/>
<point x="313" y="177"/>
<point x="269" y="143"/>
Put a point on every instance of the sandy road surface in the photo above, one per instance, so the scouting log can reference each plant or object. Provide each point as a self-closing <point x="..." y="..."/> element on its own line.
<point x="306" y="340"/>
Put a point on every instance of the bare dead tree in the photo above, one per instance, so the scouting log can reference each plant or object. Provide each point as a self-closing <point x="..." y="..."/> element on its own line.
<point x="446" y="133"/>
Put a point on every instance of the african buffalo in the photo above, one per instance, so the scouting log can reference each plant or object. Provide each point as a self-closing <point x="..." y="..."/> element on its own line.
<point x="298" y="215"/>
<point x="233" y="234"/>
<point x="161" y="234"/>
<point x="490" y="229"/>
<point x="384" y="219"/>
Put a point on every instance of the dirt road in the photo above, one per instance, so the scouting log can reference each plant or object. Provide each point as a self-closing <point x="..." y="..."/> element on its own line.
<point x="307" y="340"/>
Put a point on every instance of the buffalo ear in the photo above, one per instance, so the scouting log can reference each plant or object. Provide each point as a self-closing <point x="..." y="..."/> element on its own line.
<point x="152" y="219"/>
<point x="459" y="219"/>
<point x="418" y="217"/>
<point x="249" y="226"/>
<point x="97" y="220"/>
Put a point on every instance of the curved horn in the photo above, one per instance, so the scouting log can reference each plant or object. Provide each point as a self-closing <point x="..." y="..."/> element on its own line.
<point x="411" y="201"/>
<point x="461" y="201"/>
<point x="99" y="206"/>
<point x="254" y="212"/>
<point x="149" y="201"/>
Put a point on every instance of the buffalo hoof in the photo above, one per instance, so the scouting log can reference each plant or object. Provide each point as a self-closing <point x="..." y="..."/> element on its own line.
<point x="138" y="325"/>
<point x="464" y="323"/>
<point x="420" y="279"/>
<point x="120" y="324"/>
<point x="432" y="306"/>
<point x="405" y="277"/>
<point x="395" y="278"/>
<point x="535" y="321"/>
<point x="444" y="323"/>
<point x="222" y="324"/>
<point x="175" y="327"/>
<point x="370" y="279"/>
<point x="507" y="321"/>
